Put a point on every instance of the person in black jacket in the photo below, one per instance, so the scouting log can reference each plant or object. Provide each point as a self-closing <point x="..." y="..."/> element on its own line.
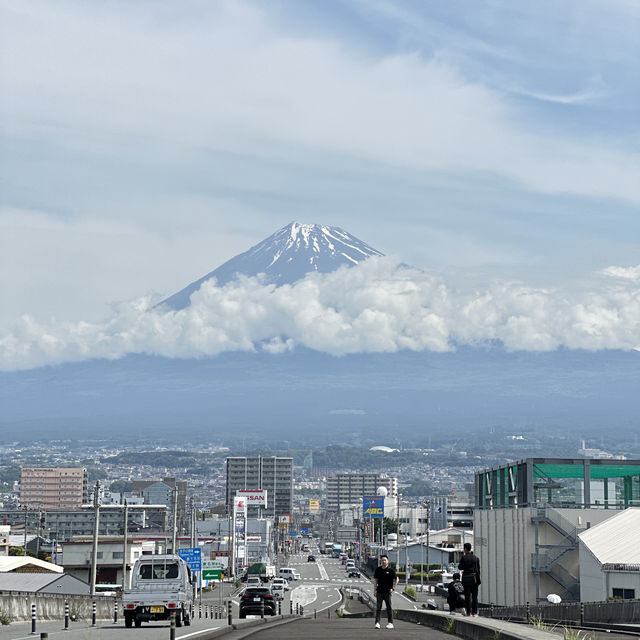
<point x="455" y="597"/>
<point x="470" y="567"/>
<point x="385" y="581"/>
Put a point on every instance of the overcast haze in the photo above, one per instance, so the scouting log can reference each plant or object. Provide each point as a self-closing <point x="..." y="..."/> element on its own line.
<point x="492" y="146"/>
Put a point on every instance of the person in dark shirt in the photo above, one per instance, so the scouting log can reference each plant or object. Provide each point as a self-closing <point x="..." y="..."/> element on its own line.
<point x="384" y="583"/>
<point x="455" y="598"/>
<point x="470" y="567"/>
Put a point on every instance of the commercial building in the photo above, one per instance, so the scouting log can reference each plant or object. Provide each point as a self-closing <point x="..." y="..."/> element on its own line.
<point x="271" y="474"/>
<point x="349" y="488"/>
<point x="529" y="515"/>
<point x="53" y="487"/>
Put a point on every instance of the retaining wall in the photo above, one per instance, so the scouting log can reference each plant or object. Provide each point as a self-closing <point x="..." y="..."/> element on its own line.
<point x="51" y="607"/>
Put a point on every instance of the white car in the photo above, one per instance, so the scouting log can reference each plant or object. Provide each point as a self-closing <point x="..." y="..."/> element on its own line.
<point x="281" y="583"/>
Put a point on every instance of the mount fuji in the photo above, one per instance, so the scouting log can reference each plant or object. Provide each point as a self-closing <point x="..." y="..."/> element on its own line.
<point x="286" y="257"/>
<point x="312" y="395"/>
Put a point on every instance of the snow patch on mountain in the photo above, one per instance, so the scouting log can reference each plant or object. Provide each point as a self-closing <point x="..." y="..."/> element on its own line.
<point x="285" y="257"/>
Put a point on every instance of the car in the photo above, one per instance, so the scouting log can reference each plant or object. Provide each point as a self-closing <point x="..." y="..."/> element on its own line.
<point x="353" y="573"/>
<point x="350" y="565"/>
<point x="311" y="558"/>
<point x="280" y="582"/>
<point x="252" y="599"/>
<point x="254" y="581"/>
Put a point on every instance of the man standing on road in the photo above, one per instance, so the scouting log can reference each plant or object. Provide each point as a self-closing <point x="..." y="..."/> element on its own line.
<point x="385" y="581"/>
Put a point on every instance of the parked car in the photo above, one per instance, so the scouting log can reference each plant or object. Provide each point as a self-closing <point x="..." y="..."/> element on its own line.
<point x="350" y="565"/>
<point x="252" y="599"/>
<point x="353" y="573"/>
<point x="311" y="558"/>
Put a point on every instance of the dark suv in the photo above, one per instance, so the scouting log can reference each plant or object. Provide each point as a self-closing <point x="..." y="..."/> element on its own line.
<point x="252" y="599"/>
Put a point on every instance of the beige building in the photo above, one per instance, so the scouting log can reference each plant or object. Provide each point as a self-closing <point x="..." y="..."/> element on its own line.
<point x="53" y="487"/>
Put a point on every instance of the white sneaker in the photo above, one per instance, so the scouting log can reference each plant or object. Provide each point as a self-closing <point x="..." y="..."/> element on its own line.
<point x="377" y="625"/>
<point x="390" y="625"/>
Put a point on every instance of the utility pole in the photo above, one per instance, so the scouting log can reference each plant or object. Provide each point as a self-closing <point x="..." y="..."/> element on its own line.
<point x="175" y="521"/>
<point x="125" y="584"/>
<point x="94" y="555"/>
<point x="24" y="548"/>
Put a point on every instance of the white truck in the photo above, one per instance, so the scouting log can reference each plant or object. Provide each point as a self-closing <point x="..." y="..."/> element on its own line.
<point x="160" y="587"/>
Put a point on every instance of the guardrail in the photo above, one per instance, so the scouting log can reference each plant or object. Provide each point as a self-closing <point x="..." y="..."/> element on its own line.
<point x="579" y="613"/>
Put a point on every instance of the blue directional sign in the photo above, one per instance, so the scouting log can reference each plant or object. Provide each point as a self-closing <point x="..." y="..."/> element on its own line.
<point x="293" y="532"/>
<point x="192" y="556"/>
<point x="304" y="531"/>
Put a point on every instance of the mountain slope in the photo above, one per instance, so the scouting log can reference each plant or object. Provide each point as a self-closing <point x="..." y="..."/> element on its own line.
<point x="285" y="257"/>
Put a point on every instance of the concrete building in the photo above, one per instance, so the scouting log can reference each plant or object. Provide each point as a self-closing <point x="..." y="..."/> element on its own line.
<point x="76" y="559"/>
<point x="273" y="474"/>
<point x="162" y="492"/>
<point x="53" y="487"/>
<point x="349" y="488"/>
<point x="63" y="525"/>
<point x="528" y="517"/>
<point x="610" y="558"/>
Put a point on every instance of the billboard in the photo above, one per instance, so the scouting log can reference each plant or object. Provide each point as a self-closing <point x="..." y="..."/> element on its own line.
<point x="314" y="506"/>
<point x="253" y="497"/>
<point x="373" y="506"/>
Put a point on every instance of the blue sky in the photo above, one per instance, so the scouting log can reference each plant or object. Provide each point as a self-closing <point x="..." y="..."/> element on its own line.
<point x="145" y="143"/>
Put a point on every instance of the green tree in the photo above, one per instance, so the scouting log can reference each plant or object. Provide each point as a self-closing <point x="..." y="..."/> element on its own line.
<point x="121" y="486"/>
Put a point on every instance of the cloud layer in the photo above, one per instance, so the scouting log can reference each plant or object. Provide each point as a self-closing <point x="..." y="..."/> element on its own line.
<point x="377" y="306"/>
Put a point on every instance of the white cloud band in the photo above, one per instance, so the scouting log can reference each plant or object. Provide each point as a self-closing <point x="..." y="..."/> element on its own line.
<point x="376" y="306"/>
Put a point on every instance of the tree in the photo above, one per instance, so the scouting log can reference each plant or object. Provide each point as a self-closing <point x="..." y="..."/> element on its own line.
<point x="390" y="525"/>
<point x="121" y="486"/>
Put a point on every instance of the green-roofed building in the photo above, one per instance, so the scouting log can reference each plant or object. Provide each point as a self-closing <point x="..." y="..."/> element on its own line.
<point x="527" y="518"/>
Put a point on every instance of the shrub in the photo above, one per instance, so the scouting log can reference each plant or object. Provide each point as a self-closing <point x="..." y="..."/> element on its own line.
<point x="410" y="592"/>
<point x="5" y="617"/>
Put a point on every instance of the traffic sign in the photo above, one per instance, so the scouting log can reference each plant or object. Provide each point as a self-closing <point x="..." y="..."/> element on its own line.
<point x="192" y="556"/>
<point x="212" y="574"/>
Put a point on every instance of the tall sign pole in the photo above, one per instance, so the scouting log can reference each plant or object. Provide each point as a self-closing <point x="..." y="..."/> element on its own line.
<point x="94" y="555"/>
<point x="125" y="584"/>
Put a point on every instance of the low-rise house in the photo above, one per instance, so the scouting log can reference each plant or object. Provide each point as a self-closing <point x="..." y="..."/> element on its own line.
<point x="77" y="555"/>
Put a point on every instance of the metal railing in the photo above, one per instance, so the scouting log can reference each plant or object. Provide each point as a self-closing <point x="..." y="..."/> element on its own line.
<point x="578" y="613"/>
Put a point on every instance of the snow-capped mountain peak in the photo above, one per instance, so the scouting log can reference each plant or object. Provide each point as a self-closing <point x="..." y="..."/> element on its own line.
<point x="287" y="256"/>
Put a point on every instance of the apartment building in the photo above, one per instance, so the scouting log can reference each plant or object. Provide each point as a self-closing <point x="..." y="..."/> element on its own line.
<point x="273" y="474"/>
<point x="349" y="488"/>
<point x="53" y="487"/>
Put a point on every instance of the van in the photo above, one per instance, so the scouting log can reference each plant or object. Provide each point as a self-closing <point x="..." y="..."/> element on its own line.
<point x="289" y="574"/>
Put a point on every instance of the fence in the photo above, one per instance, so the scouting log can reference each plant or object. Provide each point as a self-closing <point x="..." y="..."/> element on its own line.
<point x="580" y="613"/>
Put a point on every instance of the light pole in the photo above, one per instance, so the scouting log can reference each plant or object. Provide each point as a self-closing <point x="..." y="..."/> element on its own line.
<point x="406" y="558"/>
